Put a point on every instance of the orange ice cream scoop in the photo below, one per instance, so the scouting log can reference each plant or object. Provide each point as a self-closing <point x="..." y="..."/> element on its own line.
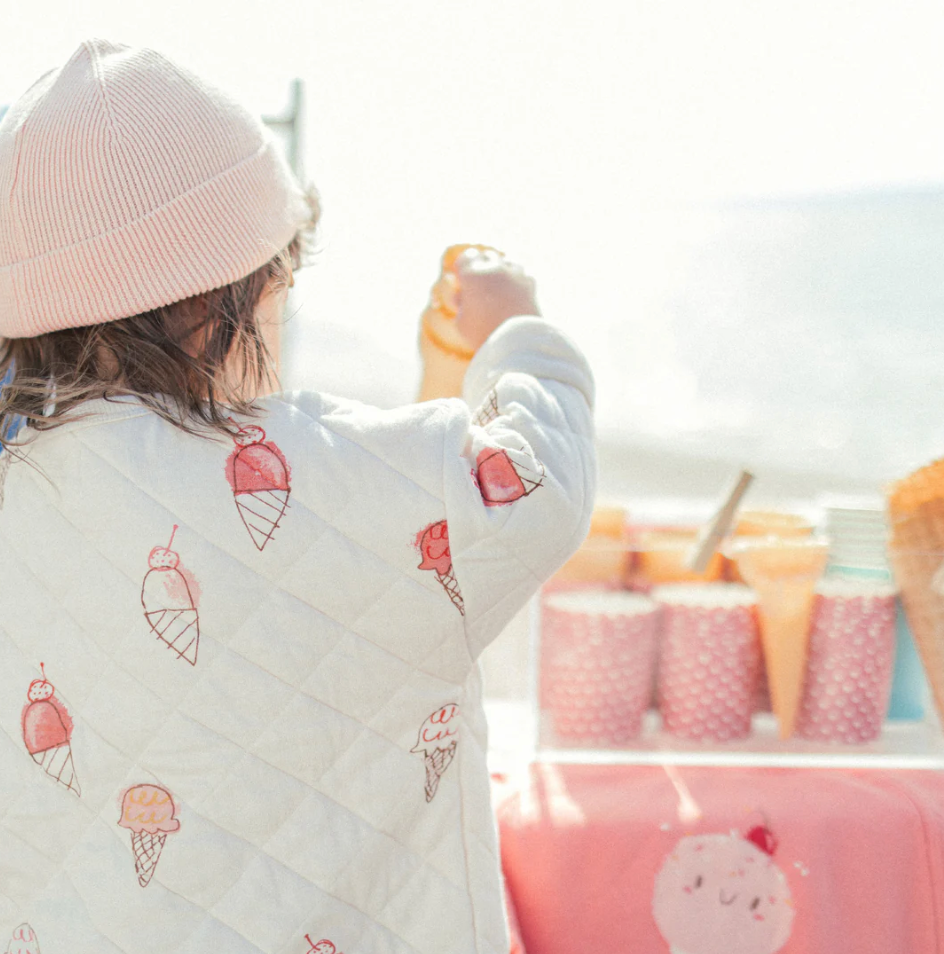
<point x="783" y="572"/>
<point x="148" y="808"/>
<point x="446" y="354"/>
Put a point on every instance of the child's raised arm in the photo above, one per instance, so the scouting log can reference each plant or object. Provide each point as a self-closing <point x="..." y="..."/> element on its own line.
<point x="524" y="501"/>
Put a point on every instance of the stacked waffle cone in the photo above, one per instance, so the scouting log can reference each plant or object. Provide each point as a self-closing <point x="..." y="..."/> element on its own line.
<point x="916" y="554"/>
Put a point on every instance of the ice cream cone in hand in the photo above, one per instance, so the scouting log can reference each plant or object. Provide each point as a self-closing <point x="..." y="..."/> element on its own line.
<point x="445" y="353"/>
<point x="784" y="573"/>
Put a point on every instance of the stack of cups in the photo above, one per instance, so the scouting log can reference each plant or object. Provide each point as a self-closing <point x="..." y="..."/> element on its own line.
<point x="850" y="663"/>
<point x="709" y="661"/>
<point x="597" y="664"/>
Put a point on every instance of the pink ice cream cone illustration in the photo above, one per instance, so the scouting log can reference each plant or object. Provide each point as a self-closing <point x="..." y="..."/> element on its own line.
<point x="47" y="732"/>
<point x="434" y="548"/>
<point x="169" y="605"/>
<point x="259" y="476"/>
<point x="503" y="479"/>
<point x="723" y="894"/>
<point x="437" y="742"/>
<point x="148" y="812"/>
<point x="23" y="941"/>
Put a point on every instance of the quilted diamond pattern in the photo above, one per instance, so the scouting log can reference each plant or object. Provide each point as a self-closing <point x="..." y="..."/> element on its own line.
<point x="288" y="762"/>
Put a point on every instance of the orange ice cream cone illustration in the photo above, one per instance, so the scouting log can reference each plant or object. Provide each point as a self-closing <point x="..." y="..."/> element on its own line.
<point x="916" y="555"/>
<point x="169" y="606"/>
<point x="47" y="732"/>
<point x="23" y="941"/>
<point x="437" y="743"/>
<point x="784" y="573"/>
<point x="434" y="548"/>
<point x="148" y="812"/>
<point x="445" y="353"/>
<point x="259" y="476"/>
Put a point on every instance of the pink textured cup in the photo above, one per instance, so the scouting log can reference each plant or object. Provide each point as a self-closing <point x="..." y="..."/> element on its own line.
<point x="597" y="661"/>
<point x="709" y="661"/>
<point x="851" y="659"/>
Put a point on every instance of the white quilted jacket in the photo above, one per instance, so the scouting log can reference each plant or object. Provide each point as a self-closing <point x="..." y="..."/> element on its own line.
<point x="240" y="709"/>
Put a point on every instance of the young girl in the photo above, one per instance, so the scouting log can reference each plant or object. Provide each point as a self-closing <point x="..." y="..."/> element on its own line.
<point x="239" y="698"/>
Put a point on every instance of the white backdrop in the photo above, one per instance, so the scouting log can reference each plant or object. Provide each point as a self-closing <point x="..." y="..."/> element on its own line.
<point x="591" y="141"/>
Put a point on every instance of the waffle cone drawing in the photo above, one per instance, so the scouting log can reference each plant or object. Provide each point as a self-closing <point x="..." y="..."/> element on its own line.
<point x="916" y="554"/>
<point x="445" y="353"/>
<point x="451" y="586"/>
<point x="437" y="762"/>
<point x="436" y="741"/>
<point x="147" y="848"/>
<point x="149" y="813"/>
<point x="261" y="512"/>
<point x="784" y="573"/>
<point x="57" y="764"/>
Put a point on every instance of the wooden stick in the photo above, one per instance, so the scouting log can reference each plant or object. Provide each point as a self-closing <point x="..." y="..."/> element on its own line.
<point x="716" y="529"/>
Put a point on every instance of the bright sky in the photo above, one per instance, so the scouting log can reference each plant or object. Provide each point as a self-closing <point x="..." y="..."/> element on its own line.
<point x="571" y="135"/>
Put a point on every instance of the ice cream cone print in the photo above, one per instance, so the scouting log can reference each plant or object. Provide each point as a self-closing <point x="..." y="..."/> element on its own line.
<point x="488" y="410"/>
<point x="434" y="547"/>
<point x="148" y="812"/>
<point x="259" y="476"/>
<point x="503" y="478"/>
<point x="437" y="742"/>
<point x="47" y="733"/>
<point x="23" y="941"/>
<point x="169" y="606"/>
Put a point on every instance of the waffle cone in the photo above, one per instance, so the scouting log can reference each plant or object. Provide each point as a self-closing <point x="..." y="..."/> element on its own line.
<point x="261" y="511"/>
<point x="784" y="576"/>
<point x="436" y="763"/>
<point x="916" y="553"/>
<point x="57" y="764"/>
<point x="179" y="629"/>
<point x="451" y="586"/>
<point x="147" y="849"/>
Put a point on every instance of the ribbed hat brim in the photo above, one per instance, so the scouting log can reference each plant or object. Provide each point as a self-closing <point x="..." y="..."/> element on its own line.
<point x="215" y="234"/>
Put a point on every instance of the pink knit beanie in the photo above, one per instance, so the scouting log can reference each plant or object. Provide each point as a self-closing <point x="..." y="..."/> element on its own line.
<point x="127" y="183"/>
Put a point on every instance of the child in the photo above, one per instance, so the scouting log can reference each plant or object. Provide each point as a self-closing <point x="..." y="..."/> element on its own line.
<point x="239" y="698"/>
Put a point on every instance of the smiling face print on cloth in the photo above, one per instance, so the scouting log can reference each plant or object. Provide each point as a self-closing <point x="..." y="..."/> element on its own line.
<point x="723" y="894"/>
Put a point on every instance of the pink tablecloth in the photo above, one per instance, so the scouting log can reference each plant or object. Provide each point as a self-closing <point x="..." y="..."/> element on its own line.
<point x="612" y="859"/>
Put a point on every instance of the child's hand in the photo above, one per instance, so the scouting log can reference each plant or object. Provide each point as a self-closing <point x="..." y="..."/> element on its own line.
<point x="491" y="290"/>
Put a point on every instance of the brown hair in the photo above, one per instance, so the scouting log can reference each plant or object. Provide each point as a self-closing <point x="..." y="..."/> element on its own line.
<point x="193" y="362"/>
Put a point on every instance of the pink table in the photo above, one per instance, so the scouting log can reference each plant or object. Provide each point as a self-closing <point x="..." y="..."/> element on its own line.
<point x="804" y="861"/>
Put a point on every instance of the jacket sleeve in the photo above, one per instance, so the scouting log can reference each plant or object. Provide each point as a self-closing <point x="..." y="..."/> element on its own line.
<point x="519" y="469"/>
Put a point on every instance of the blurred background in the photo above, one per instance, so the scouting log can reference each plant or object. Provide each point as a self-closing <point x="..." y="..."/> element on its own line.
<point x="736" y="208"/>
